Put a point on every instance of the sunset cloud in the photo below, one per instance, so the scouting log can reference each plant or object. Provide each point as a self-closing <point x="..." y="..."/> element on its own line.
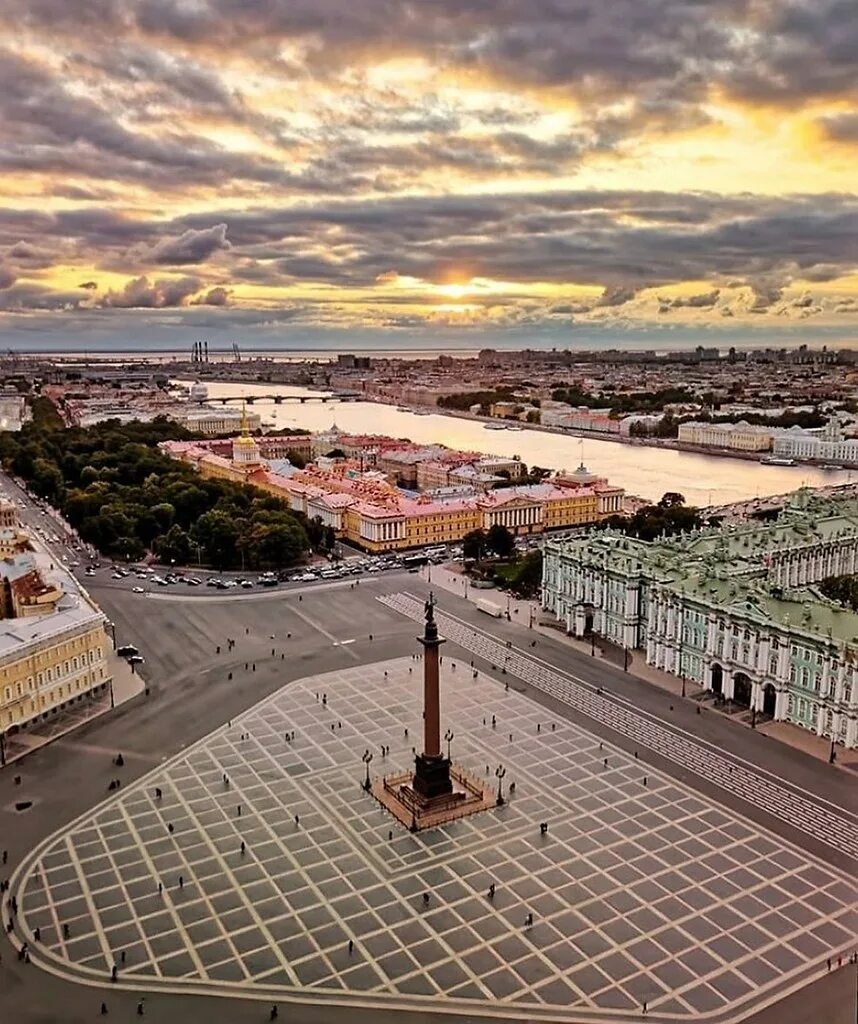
<point x="638" y="165"/>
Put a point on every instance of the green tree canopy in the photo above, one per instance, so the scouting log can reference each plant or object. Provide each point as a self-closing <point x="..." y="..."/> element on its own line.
<point x="474" y="545"/>
<point x="500" y="540"/>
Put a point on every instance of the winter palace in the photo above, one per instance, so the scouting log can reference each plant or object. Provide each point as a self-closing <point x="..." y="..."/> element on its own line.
<point x="735" y="609"/>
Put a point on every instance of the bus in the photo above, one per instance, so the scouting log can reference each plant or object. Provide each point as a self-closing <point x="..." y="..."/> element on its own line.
<point x="415" y="561"/>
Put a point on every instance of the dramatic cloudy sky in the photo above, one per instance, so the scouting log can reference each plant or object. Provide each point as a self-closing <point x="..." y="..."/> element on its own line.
<point x="433" y="172"/>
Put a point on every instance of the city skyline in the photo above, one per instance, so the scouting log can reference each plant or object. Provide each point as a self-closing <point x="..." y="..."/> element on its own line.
<point x="326" y="175"/>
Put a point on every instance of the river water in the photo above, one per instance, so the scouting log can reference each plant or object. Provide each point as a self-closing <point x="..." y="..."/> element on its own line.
<point x="645" y="471"/>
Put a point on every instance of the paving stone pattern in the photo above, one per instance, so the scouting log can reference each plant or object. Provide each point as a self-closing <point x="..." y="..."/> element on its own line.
<point x="638" y="892"/>
<point x="826" y="823"/>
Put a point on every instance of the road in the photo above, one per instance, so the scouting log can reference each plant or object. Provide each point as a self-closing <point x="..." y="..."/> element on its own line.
<point x="318" y="629"/>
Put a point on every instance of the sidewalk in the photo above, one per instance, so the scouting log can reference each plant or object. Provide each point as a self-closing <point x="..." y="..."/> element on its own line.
<point x="542" y="623"/>
<point x="126" y="685"/>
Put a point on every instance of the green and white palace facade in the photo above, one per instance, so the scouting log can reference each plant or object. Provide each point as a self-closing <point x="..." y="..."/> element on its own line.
<point x="733" y="608"/>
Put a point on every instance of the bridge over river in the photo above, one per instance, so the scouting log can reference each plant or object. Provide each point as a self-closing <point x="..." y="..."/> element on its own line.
<point x="281" y="398"/>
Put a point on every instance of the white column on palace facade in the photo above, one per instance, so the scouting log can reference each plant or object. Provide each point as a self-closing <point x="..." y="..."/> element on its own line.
<point x="781" y="704"/>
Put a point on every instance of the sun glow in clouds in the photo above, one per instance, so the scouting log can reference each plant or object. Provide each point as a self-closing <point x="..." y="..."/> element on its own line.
<point x="400" y="164"/>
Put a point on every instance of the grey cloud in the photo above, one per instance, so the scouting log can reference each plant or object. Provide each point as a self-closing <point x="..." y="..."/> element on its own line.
<point x="621" y="241"/>
<point x="615" y="295"/>
<point x="49" y="128"/>
<point x="218" y="296"/>
<point x="31" y="256"/>
<point x="841" y="127"/>
<point x="704" y="300"/>
<point x="142" y="293"/>
<point x="7" y="277"/>
<point x="24" y="297"/>
<point x="191" y="246"/>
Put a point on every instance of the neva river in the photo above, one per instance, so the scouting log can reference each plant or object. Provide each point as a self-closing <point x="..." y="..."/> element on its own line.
<point x="646" y="471"/>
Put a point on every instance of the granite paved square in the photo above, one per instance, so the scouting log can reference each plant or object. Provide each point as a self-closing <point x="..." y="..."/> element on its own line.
<point x="638" y="892"/>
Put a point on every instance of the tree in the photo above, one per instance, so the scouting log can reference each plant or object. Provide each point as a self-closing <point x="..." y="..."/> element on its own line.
<point x="217" y="533"/>
<point x="500" y="540"/>
<point x="474" y="545"/>
<point x="277" y="543"/>
<point x="529" y="579"/>
<point x="173" y="547"/>
<point x="523" y="577"/>
<point x="671" y="499"/>
<point x="47" y="480"/>
<point x="315" y="532"/>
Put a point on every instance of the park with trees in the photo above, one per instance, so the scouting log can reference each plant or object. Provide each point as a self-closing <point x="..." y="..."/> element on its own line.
<point x="129" y="499"/>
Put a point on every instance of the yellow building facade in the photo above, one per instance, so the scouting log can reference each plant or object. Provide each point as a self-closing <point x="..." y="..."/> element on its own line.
<point x="51" y="665"/>
<point x="378" y="518"/>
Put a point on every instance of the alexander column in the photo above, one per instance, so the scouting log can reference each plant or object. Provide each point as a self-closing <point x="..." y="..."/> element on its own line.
<point x="432" y="769"/>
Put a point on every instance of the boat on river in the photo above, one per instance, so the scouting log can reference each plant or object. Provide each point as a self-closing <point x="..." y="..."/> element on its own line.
<point x="777" y="460"/>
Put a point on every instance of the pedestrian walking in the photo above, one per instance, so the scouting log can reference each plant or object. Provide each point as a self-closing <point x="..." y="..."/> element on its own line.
<point x="351" y="946"/>
<point x="181" y="882"/>
<point x="103" y="1009"/>
<point x="140" y="1008"/>
<point x="113" y="972"/>
<point x="273" y="1014"/>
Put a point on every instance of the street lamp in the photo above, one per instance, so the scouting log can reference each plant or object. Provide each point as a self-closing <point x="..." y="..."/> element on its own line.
<point x="832" y="753"/>
<point x="367" y="757"/>
<point x="625" y="659"/>
<point x="449" y="736"/>
<point x="500" y="772"/>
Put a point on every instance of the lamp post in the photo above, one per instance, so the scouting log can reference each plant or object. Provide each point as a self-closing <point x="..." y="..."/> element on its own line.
<point x="832" y="757"/>
<point x="2" y="749"/>
<point x="367" y="757"/>
<point x="449" y="736"/>
<point x="500" y="772"/>
<point x="625" y="659"/>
